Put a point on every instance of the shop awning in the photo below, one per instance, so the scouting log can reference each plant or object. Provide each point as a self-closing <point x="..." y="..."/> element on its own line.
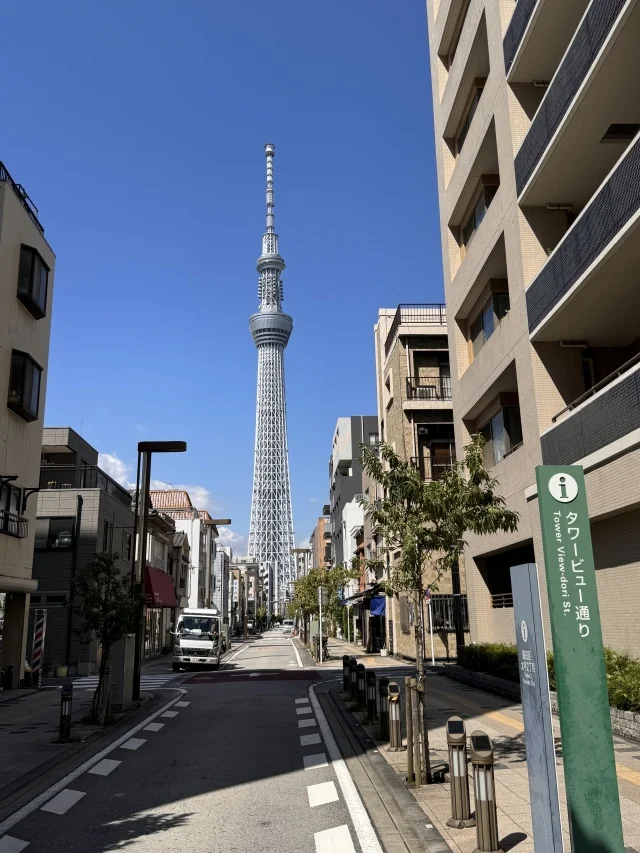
<point x="362" y="596"/>
<point x="158" y="589"/>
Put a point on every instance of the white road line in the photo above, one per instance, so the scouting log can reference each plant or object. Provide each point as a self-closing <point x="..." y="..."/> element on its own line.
<point x="336" y="840"/>
<point x="254" y="674"/>
<point x="153" y="727"/>
<point x="19" y="815"/>
<point x="364" y="830"/>
<point x="182" y="704"/>
<point x="309" y="740"/>
<point x="133" y="743"/>
<point x="304" y="701"/>
<point x="9" y="844"/>
<point x="295" y="649"/>
<point x="318" y="759"/>
<point x="306" y="724"/>
<point x="104" y="767"/>
<point x="321" y="794"/>
<point x="63" y="802"/>
<point x="170" y="714"/>
<point x="301" y="711"/>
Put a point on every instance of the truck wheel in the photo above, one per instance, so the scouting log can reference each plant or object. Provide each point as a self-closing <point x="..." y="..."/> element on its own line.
<point x="176" y="667"/>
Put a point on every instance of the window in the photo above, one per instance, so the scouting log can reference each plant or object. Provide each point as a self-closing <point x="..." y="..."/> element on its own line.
<point x="502" y="435"/>
<point x="476" y="216"/>
<point x="54" y="534"/>
<point x="126" y="546"/>
<point x="373" y="438"/>
<point x="484" y="325"/>
<point x="33" y="278"/>
<point x="466" y="121"/>
<point x="11" y="520"/>
<point x="107" y="537"/>
<point x="24" y="386"/>
<point x="457" y="33"/>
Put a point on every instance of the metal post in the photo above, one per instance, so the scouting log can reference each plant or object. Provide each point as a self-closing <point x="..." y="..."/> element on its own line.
<point x="408" y="710"/>
<point x="362" y="687"/>
<point x="433" y="657"/>
<point x="460" y="803"/>
<point x="353" y="685"/>
<point x="345" y="673"/>
<point x="66" y="702"/>
<point x="141" y="562"/>
<point x="371" y="695"/>
<point x="395" y="732"/>
<point x="416" y="707"/>
<point x="383" y="686"/>
<point x="320" y="616"/>
<point x="457" y="605"/>
<point x="485" y="793"/>
<point x="37" y="648"/>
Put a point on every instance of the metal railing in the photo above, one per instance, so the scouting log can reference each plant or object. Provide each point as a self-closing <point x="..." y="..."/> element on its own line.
<point x="599" y="386"/>
<point x="504" y="599"/>
<point x="433" y="314"/>
<point x="431" y="469"/>
<point x="443" y="615"/>
<point x="22" y="194"/>
<point x="13" y="524"/>
<point x="79" y="477"/>
<point x="429" y="388"/>
<point x="516" y="29"/>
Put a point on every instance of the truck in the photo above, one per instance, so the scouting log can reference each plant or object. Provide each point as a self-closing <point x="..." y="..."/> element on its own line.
<point x="200" y="638"/>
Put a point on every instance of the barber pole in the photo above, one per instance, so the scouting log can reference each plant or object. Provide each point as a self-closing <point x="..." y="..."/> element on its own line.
<point x="39" y="632"/>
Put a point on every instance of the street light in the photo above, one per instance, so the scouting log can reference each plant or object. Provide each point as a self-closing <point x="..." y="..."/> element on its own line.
<point x="145" y="449"/>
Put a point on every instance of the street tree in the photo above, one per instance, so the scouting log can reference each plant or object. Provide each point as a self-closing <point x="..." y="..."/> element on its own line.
<point x="101" y="597"/>
<point x="334" y="579"/>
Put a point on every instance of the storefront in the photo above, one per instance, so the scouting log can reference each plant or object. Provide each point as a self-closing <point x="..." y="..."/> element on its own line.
<point x="367" y="619"/>
<point x="159" y="611"/>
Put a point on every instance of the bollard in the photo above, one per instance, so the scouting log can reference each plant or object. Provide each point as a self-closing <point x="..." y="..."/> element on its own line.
<point x="460" y="803"/>
<point x="345" y="673"/>
<point x="383" y="686"/>
<point x="66" y="701"/>
<point x="361" y="687"/>
<point x="353" y="687"/>
<point x="395" y="733"/>
<point x="485" y="793"/>
<point x="371" y="696"/>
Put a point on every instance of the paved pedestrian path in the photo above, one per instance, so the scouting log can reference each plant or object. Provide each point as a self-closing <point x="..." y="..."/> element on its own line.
<point x="338" y="648"/>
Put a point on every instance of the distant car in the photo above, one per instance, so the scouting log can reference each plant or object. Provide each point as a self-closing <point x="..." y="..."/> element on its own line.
<point x="288" y="626"/>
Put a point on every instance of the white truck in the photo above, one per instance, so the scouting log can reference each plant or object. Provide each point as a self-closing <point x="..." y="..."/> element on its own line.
<point x="200" y="638"/>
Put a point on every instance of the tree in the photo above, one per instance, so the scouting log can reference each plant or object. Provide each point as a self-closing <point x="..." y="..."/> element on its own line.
<point x="261" y="615"/>
<point x="334" y="579"/>
<point x="101" y="597"/>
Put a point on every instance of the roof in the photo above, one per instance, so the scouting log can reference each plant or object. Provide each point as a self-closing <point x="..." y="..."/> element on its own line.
<point x="204" y="516"/>
<point x="170" y="499"/>
<point x="179" y="514"/>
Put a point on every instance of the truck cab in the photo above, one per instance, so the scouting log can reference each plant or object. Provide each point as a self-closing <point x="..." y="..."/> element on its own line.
<point x="198" y="639"/>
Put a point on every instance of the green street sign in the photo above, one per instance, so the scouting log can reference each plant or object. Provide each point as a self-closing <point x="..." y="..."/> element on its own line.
<point x="585" y="723"/>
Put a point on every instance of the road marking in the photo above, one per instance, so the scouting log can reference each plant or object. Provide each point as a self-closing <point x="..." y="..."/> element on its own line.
<point x="364" y="830"/>
<point x="63" y="802"/>
<point x="300" y="711"/>
<point x="20" y="814"/>
<point x="295" y="649"/>
<point x="336" y="840"/>
<point x="182" y="704"/>
<point x="309" y="740"/>
<point x="254" y="674"/>
<point x="104" y="767"/>
<point x="153" y="727"/>
<point x="306" y="724"/>
<point x="318" y="759"/>
<point x="304" y="701"/>
<point x="170" y="714"/>
<point x="9" y="844"/>
<point x="133" y="743"/>
<point x="321" y="794"/>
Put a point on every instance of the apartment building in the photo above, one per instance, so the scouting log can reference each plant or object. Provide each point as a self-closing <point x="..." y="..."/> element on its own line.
<point x="220" y="587"/>
<point x="26" y="293"/>
<point x="320" y="541"/>
<point x="536" y="115"/>
<point x="415" y="414"/>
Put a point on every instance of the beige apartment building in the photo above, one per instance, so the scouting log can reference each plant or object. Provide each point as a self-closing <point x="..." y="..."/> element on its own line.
<point x="415" y="418"/>
<point x="536" y="116"/>
<point x="26" y="293"/>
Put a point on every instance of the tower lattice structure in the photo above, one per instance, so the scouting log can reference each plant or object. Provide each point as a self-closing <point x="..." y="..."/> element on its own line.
<point x="271" y="529"/>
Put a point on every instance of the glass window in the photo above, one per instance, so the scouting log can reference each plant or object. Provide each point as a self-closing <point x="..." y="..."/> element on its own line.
<point x="127" y="546"/>
<point x="502" y="434"/>
<point x="24" y="386"/>
<point x="33" y="277"/>
<point x="484" y="325"/>
<point x="54" y="534"/>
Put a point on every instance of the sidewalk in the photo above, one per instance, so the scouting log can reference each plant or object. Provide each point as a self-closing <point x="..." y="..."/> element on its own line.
<point x="502" y="721"/>
<point x="338" y="648"/>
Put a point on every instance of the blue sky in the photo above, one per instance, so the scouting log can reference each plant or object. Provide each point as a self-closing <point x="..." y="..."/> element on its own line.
<point x="138" y="130"/>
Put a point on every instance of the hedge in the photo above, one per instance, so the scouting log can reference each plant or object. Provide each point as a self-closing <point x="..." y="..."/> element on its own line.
<point x="501" y="660"/>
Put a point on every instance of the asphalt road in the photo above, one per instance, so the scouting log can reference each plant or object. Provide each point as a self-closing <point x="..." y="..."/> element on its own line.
<point x="223" y="769"/>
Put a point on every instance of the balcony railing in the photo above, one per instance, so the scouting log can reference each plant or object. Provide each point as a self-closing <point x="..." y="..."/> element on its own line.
<point x="433" y="315"/>
<point x="574" y="69"/>
<point x="609" y="210"/>
<point x="13" y="524"/>
<point x="87" y="477"/>
<point x="442" y="613"/>
<point x="503" y="599"/>
<point x="516" y="29"/>
<point x="429" y="389"/>
<point x="432" y="469"/>
<point x="20" y="191"/>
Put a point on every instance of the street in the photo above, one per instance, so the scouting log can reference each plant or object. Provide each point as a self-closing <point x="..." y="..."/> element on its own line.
<point x="239" y="761"/>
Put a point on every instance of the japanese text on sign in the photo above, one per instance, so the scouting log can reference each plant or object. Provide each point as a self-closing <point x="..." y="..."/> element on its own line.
<point x="571" y="574"/>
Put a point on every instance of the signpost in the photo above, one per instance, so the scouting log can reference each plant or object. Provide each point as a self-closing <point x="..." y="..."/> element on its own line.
<point x="536" y="710"/>
<point x="427" y="596"/>
<point x="322" y="602"/>
<point x="587" y="744"/>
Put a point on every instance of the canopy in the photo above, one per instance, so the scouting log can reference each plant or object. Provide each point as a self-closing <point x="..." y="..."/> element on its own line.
<point x="158" y="589"/>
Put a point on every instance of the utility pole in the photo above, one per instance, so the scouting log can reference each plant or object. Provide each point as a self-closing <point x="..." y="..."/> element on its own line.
<point x="246" y="603"/>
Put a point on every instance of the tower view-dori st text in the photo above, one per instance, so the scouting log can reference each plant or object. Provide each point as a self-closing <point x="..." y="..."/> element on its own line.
<point x="446" y="658"/>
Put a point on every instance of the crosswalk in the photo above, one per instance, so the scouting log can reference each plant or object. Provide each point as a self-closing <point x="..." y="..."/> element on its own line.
<point x="148" y="682"/>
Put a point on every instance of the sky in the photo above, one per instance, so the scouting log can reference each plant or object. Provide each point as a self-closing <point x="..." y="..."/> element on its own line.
<point x="138" y="129"/>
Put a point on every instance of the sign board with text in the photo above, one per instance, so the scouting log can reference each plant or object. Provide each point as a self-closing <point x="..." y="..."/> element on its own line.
<point x="587" y="744"/>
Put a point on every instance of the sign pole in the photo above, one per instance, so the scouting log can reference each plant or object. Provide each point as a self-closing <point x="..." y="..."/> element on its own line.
<point x="320" y="591"/>
<point x="591" y="784"/>
<point x="428" y="597"/>
<point x="37" y="648"/>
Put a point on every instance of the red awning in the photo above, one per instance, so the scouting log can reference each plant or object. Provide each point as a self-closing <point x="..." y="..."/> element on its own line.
<point x="158" y="589"/>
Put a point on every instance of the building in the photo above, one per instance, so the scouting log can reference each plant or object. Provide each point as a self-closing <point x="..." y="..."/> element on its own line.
<point x="81" y="512"/>
<point x="26" y="293"/>
<point x="345" y="477"/>
<point x="302" y="557"/>
<point x="271" y="536"/>
<point x="413" y="379"/>
<point x="180" y="566"/>
<point x="320" y="542"/>
<point x="220" y="586"/>
<point x="536" y="121"/>
<point x="161" y="600"/>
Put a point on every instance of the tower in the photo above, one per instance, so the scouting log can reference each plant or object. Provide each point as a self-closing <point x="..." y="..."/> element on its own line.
<point x="271" y="528"/>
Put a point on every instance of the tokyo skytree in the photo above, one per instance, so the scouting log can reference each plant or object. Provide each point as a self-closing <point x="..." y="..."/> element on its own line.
<point x="271" y="528"/>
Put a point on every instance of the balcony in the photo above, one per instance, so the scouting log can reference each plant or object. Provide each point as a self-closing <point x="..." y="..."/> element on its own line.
<point x="588" y="286"/>
<point x="443" y="614"/>
<point x="429" y="389"/>
<point x="516" y="30"/>
<point x="607" y="412"/>
<point x="501" y="600"/>
<point x="20" y="191"/>
<point x="86" y="477"/>
<point x="416" y="315"/>
<point x="13" y="524"/>
<point x="433" y="468"/>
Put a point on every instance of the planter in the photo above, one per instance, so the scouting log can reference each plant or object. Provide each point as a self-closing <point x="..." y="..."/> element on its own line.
<point x="61" y="671"/>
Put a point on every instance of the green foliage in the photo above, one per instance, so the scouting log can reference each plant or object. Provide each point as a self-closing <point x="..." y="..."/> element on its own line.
<point x="623" y="680"/>
<point x="292" y="609"/>
<point x="499" y="659"/>
<point x="334" y="579"/>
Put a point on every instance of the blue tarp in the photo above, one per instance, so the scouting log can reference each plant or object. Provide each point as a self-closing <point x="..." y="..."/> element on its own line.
<point x="378" y="605"/>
